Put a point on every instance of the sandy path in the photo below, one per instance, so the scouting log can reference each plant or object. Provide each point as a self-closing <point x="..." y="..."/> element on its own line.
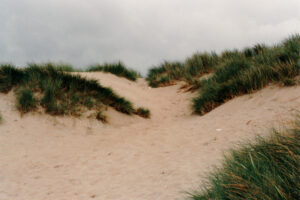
<point x="43" y="157"/>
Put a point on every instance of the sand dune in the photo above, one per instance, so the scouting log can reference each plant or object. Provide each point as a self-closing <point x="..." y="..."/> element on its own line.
<point x="45" y="157"/>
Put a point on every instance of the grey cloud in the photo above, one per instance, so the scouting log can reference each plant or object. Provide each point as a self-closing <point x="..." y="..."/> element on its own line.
<point x="140" y="33"/>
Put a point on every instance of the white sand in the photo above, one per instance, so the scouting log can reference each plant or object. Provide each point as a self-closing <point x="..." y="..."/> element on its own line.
<point x="44" y="157"/>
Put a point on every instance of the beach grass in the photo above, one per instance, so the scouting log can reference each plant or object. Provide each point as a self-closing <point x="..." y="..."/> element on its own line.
<point x="232" y="72"/>
<point x="241" y="75"/>
<point x="101" y="117"/>
<point x="118" y="68"/>
<point x="143" y="112"/>
<point x="25" y="100"/>
<point x="59" y="92"/>
<point x="269" y="168"/>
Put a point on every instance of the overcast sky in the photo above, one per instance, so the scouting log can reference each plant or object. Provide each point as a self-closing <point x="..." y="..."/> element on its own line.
<point x="138" y="32"/>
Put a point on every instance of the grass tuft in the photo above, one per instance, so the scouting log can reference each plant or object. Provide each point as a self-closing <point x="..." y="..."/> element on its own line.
<point x="118" y="69"/>
<point x="9" y="77"/>
<point x="25" y="100"/>
<point x="165" y="74"/>
<point x="101" y="117"/>
<point x="143" y="112"/>
<point x="169" y="72"/>
<point x="289" y="82"/>
<point x="267" y="169"/>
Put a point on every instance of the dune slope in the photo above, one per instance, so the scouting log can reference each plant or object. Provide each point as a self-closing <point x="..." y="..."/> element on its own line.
<point x="45" y="157"/>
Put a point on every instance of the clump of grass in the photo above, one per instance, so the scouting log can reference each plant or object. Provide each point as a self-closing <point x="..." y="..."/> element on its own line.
<point x="267" y="169"/>
<point x="9" y="77"/>
<point x="165" y="74"/>
<point x="201" y="63"/>
<point x="60" y="66"/>
<point x="242" y="75"/>
<point x="64" y="67"/>
<point x="25" y="100"/>
<point x="289" y="82"/>
<point x="118" y="69"/>
<point x="59" y="92"/>
<point x="101" y="117"/>
<point x="1" y="118"/>
<point x="143" y="112"/>
<point x="169" y="72"/>
<point x="50" y="101"/>
<point x="192" y="85"/>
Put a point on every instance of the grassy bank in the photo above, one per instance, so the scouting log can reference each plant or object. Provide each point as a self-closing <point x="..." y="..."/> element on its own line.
<point x="267" y="169"/>
<point x="250" y="70"/>
<point x="118" y="69"/>
<point x="58" y="92"/>
<point x="169" y="73"/>
<point x="232" y="73"/>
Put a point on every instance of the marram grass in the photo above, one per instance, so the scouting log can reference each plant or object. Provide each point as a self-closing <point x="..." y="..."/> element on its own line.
<point x="242" y="75"/>
<point x="25" y="100"/>
<point x="143" y="112"/>
<point x="268" y="169"/>
<point x="233" y="72"/>
<point x="58" y="92"/>
<point x="118" y="69"/>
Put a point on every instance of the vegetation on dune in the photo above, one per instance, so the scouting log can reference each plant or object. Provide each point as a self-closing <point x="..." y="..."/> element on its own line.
<point x="289" y="82"/>
<point x="143" y="112"/>
<point x="267" y="169"/>
<point x="232" y="73"/>
<point x="116" y="68"/>
<point x="25" y="100"/>
<point x="60" y="66"/>
<point x="58" y="92"/>
<point x="247" y="72"/>
<point x="63" y="67"/>
<point x="170" y="72"/>
<point x="1" y="118"/>
<point x="101" y="117"/>
<point x="217" y="78"/>
<point x="165" y="74"/>
<point x="9" y="77"/>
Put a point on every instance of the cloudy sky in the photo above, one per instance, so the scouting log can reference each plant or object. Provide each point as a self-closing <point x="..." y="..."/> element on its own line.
<point x="138" y="32"/>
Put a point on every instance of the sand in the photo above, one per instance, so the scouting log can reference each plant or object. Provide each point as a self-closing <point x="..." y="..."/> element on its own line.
<point x="44" y="157"/>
